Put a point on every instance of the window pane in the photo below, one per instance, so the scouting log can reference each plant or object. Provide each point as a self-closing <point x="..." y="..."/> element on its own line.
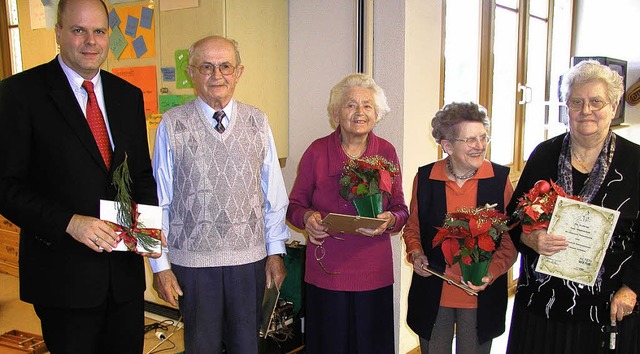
<point x="461" y="51"/>
<point x="513" y="4"/>
<point x="539" y="8"/>
<point x="560" y="62"/>
<point x="535" y="110"/>
<point x="505" y="54"/>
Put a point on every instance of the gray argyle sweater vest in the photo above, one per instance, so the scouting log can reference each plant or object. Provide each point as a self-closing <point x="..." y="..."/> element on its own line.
<point x="216" y="214"/>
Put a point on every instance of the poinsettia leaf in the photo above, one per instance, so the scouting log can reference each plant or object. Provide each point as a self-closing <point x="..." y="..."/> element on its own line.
<point x="466" y="260"/>
<point x="385" y="181"/>
<point x="479" y="226"/>
<point x="440" y="236"/>
<point x="373" y="187"/>
<point x="486" y="243"/>
<point x="469" y="242"/>
<point x="362" y="189"/>
<point x="449" y="249"/>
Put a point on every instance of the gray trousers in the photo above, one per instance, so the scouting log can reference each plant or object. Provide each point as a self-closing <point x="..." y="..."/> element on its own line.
<point x="465" y="321"/>
<point x="221" y="305"/>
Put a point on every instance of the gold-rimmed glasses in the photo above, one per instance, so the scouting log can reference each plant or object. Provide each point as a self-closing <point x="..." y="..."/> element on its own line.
<point x="207" y="69"/>
<point x="595" y="104"/>
<point x="320" y="252"/>
<point x="473" y="142"/>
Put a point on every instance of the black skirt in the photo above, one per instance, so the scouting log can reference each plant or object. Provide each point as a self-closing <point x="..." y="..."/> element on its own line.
<point x="535" y="334"/>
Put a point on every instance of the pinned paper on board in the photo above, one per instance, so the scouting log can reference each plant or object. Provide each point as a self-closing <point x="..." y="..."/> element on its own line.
<point x="134" y="26"/>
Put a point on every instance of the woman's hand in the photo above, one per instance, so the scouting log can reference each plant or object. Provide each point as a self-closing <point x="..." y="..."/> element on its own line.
<point x="544" y="243"/>
<point x="622" y="303"/>
<point x="420" y="263"/>
<point x="486" y="280"/>
<point x="390" y="221"/>
<point x="314" y="228"/>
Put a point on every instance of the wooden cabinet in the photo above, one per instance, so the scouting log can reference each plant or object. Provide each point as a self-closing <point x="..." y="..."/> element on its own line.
<point x="9" y="240"/>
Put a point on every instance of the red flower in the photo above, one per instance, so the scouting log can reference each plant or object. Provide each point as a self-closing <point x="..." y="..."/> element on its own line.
<point x="367" y="176"/>
<point x="470" y="235"/>
<point x="535" y="208"/>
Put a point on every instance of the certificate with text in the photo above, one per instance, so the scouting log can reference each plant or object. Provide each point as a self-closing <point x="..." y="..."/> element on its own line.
<point x="588" y="229"/>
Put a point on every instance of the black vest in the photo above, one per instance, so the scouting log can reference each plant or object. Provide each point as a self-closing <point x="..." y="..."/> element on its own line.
<point x="424" y="294"/>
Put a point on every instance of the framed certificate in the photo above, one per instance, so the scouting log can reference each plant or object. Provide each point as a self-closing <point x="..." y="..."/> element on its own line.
<point x="347" y="224"/>
<point x="588" y="229"/>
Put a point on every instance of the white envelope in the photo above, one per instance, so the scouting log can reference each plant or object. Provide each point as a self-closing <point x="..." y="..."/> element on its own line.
<point x="150" y="217"/>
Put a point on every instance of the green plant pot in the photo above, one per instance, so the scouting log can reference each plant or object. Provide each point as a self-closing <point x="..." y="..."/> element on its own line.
<point x="474" y="272"/>
<point x="368" y="206"/>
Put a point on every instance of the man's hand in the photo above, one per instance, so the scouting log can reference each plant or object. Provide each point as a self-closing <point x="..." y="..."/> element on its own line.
<point x="166" y="285"/>
<point x="544" y="243"/>
<point x="276" y="272"/>
<point x="93" y="232"/>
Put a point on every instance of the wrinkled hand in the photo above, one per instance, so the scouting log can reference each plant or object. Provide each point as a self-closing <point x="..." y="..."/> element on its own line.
<point x="163" y="242"/>
<point x="315" y="230"/>
<point x="276" y="272"/>
<point x="420" y="262"/>
<point x="390" y="221"/>
<point x="92" y="232"/>
<point x="486" y="280"/>
<point x="622" y="303"/>
<point x="544" y="243"/>
<point x="166" y="285"/>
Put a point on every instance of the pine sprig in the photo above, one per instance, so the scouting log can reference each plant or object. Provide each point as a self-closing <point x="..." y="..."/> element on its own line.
<point x="122" y="182"/>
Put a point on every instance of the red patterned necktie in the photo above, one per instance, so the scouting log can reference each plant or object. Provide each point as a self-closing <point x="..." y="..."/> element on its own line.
<point x="218" y="117"/>
<point x="97" y="125"/>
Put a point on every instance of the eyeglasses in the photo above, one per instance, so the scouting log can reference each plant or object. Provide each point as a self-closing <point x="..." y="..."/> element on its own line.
<point x="473" y="142"/>
<point x="207" y="69"/>
<point x="595" y="104"/>
<point x="320" y="252"/>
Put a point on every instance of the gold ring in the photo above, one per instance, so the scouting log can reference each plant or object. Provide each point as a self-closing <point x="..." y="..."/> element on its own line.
<point x="96" y="240"/>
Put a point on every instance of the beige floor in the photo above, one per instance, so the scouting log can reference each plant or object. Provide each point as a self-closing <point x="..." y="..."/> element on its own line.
<point x="15" y="314"/>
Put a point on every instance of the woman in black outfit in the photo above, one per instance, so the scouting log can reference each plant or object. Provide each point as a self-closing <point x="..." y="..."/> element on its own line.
<point x="553" y="315"/>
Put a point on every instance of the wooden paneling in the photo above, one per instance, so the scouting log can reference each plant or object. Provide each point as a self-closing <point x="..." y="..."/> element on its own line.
<point x="9" y="241"/>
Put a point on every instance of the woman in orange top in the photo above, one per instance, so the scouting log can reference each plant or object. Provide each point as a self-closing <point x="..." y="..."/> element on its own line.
<point x="463" y="179"/>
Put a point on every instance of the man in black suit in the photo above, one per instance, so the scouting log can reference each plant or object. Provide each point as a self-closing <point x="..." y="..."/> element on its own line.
<point x="52" y="176"/>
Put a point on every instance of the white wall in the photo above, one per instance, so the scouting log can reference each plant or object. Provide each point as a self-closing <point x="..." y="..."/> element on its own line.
<point x="609" y="28"/>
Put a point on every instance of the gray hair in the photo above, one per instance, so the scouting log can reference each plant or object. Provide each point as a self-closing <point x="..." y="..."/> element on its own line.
<point x="445" y="122"/>
<point x="590" y="71"/>
<point x="194" y="47"/>
<point x="358" y="80"/>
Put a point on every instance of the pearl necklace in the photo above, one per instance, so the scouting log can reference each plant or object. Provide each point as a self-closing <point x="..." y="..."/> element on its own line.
<point x="467" y="176"/>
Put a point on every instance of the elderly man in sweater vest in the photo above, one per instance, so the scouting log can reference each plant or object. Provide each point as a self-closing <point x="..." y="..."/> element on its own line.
<point x="224" y="203"/>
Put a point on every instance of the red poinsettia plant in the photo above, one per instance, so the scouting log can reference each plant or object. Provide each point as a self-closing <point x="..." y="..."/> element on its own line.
<point x="471" y="234"/>
<point x="535" y="208"/>
<point x="367" y="176"/>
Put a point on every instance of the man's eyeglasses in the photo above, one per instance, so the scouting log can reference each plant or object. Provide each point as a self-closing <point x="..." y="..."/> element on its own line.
<point x="473" y="142"/>
<point x="207" y="69"/>
<point x="595" y="104"/>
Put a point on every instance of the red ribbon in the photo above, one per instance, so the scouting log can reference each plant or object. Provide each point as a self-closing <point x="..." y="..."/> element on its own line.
<point x="129" y="234"/>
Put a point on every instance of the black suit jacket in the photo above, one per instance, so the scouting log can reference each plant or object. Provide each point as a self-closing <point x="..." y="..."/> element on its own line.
<point x="50" y="169"/>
